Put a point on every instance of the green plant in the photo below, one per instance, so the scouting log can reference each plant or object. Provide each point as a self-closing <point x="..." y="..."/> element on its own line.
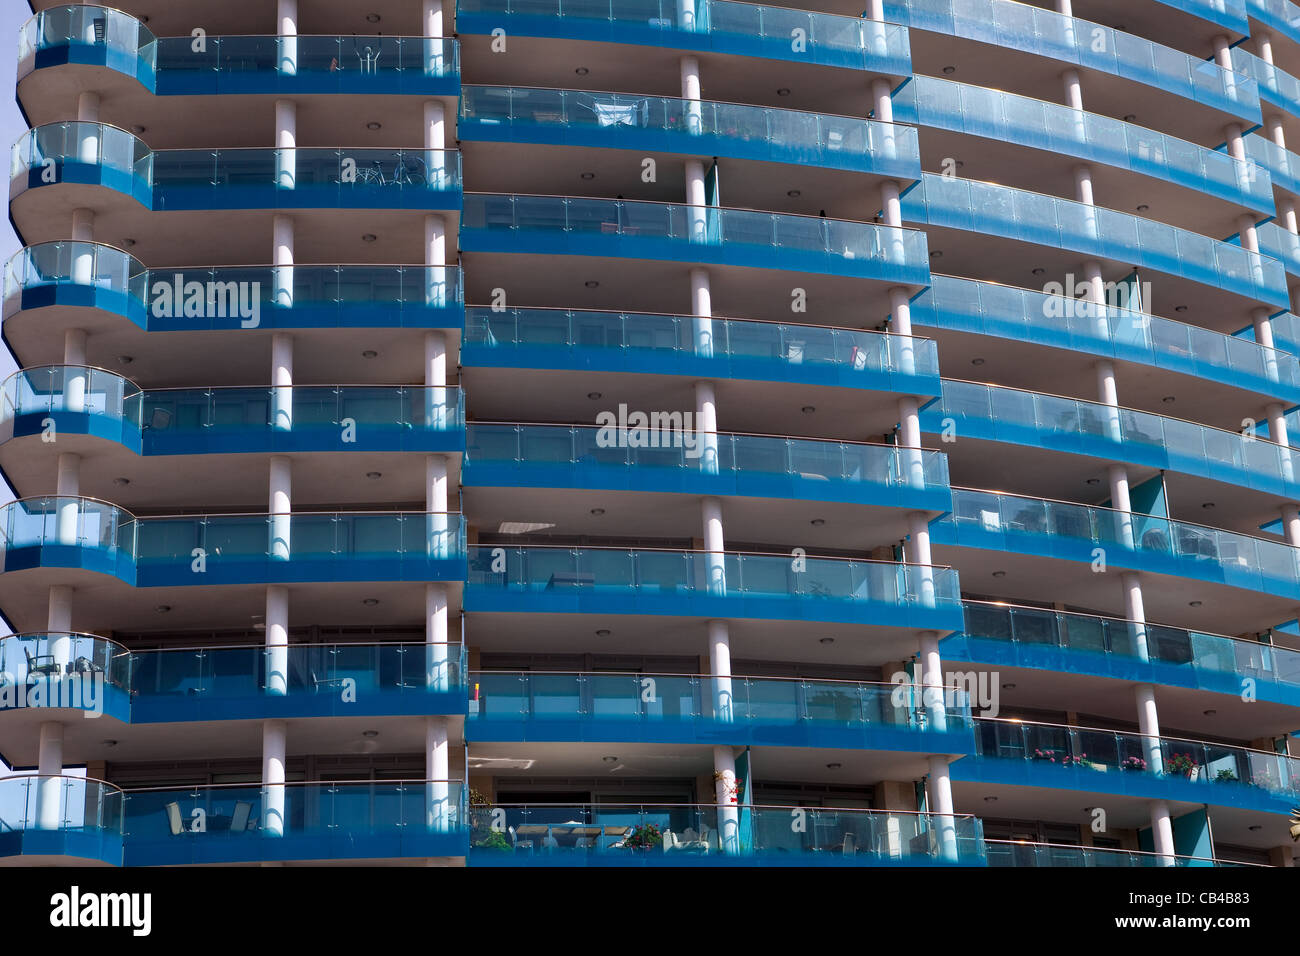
<point x="1225" y="776"/>
<point x="646" y="836"/>
<point x="495" y="840"/>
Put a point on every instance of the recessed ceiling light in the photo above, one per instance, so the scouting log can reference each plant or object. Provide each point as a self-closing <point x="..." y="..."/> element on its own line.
<point x="977" y="362"/>
<point x="1130" y="117"/>
<point x="834" y="766"/>
<point x="1254" y="828"/>
<point x="1180" y="308"/>
<point x="372" y="18"/>
<point x="591" y="284"/>
<point x="126" y="359"/>
<point x="120" y="482"/>
<point x="597" y="511"/>
<point x="1168" y="399"/>
<point x="999" y="574"/>
<point x="808" y="409"/>
<point x="373" y="125"/>
<point x="594" y="395"/>
<point x="1194" y="603"/>
<point x="936" y="253"/>
<point x="603" y="632"/>
<point x="128" y="243"/>
<point x="368" y="237"/>
<point x="1009" y="686"/>
<point x="163" y="608"/>
<point x="827" y="640"/>
<point x="369" y="733"/>
<point x="793" y="193"/>
<point x="609" y="759"/>
<point x="110" y="743"/>
<point x="372" y="475"/>
<point x="783" y="91"/>
<point x="1143" y="207"/>
<point x="1038" y="270"/>
<point x="1210" y="713"/>
<point x="370" y="602"/>
<point x="949" y="70"/>
<point x="369" y="353"/>
<point x="1093" y="481"/>
<point x="1207" y="504"/>
<point x="587" y="175"/>
<point x="990" y="799"/>
<point x="137" y="129"/>
<point x="582" y="71"/>
<point x="817" y="522"/>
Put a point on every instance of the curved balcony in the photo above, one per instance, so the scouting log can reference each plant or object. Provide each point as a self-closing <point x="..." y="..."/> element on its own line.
<point x="102" y="36"/>
<point x="684" y="461"/>
<point x="1033" y="30"/>
<point x="499" y="114"/>
<point x="992" y="413"/>
<point x="1276" y="86"/>
<point x="689" y="709"/>
<point x="54" y="819"/>
<point x="715" y="26"/>
<point x="557" y="225"/>
<point x="75" y="400"/>
<point x="1126" y="241"/>
<point x="1138" y="542"/>
<point x="1020" y="753"/>
<point x="1281" y="244"/>
<point x="176" y="684"/>
<point x="1022" y="854"/>
<point x="1283" y="165"/>
<point x="1057" y="321"/>
<point x="1041" y="639"/>
<point x="1023" y="121"/>
<point x="672" y="344"/>
<point x="787" y="587"/>
<point x="207" y="550"/>
<point x="695" y="835"/>
<point x="174" y="180"/>
<point x="1280" y="15"/>
<point x="295" y="821"/>
<point x="91" y="275"/>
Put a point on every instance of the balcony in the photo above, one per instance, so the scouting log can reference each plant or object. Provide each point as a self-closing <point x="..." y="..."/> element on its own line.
<point x="688" y="709"/>
<point x="104" y="37"/>
<point x="713" y="348"/>
<point x="206" y="550"/>
<point x="1276" y="86"/>
<point x="1281" y="244"/>
<point x="94" y="276"/>
<point x="174" y="180"/>
<point x="714" y="26"/>
<point x="57" y="820"/>
<point x="1026" y="122"/>
<point x="76" y="400"/>
<point x="666" y="125"/>
<point x="1102" y="761"/>
<point x="1283" y="165"/>
<point x="1004" y="635"/>
<point x="684" y="835"/>
<point x="185" y="684"/>
<point x="786" y="587"/>
<point x="372" y="820"/>
<point x="1022" y="854"/>
<point x="1138" y="542"/>
<point x="1027" y="315"/>
<point x="1127" y="241"/>
<point x="687" y="462"/>
<point x="1280" y="15"/>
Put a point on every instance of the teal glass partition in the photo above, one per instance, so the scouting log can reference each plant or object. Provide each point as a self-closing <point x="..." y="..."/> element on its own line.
<point x="79" y="818"/>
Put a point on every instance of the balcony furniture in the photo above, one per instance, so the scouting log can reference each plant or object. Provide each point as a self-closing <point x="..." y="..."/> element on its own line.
<point x="42" y="664"/>
<point x="517" y="843"/>
<point x="850" y="846"/>
<point x="240" y="819"/>
<point x="84" y="665"/>
<point x="570" y="579"/>
<point x="173" y="813"/>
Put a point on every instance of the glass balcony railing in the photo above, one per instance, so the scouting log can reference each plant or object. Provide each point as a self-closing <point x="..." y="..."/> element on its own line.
<point x="994" y="114"/>
<point x="1057" y="529"/>
<point x="619" y="581"/>
<point x="234" y="420"/>
<point x="657" y="123"/>
<point x="557" y="225"/>
<point x="1031" y="29"/>
<point x="720" y="26"/>
<point x="1021" y="853"/>
<point x="251" y="178"/>
<point x="1174" y="654"/>
<point x="1286" y="332"/>
<point x="1276" y="86"/>
<point x="237" y="64"/>
<point x="224" y="549"/>
<point x="993" y="413"/>
<point x="718" y="347"/>
<point x="1281" y="15"/>
<point x="613" y="834"/>
<point x="1023" y="216"/>
<point x="1281" y="244"/>
<point x="652" y="459"/>
<point x="675" y="707"/>
<point x="1104" y="760"/>
<point x="52" y="815"/>
<point x="1283" y="165"/>
<point x="988" y="308"/>
<point x="233" y="297"/>
<point x="295" y="821"/>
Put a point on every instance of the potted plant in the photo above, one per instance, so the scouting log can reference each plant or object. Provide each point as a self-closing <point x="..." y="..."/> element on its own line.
<point x="1225" y="776"/>
<point x="645" y="836"/>
<point x="1051" y="756"/>
<point x="1133" y="763"/>
<point x="1179" y="765"/>
<point x="494" y="840"/>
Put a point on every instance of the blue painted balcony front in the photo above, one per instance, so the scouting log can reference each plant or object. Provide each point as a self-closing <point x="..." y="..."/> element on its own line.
<point x="1283" y="165"/>
<point x="75" y="400"/>
<point x="172" y="180"/>
<point x="1007" y="636"/>
<point x="373" y="820"/>
<point x="992" y="413"/>
<point x="552" y="225"/>
<point x="234" y="683"/>
<point x="1021" y="854"/>
<point x="1280" y="15"/>
<point x="693" y="835"/>
<point x="1046" y="33"/>
<point x="717" y="26"/>
<point x="1052" y="127"/>
<point x="95" y="276"/>
<point x="1058" y="321"/>
<point x="1103" y="761"/>
<point x="1281" y="244"/>
<point x="1138" y="542"/>
<point x="1029" y="217"/>
<point x="1276" y="86"/>
<point x="101" y="36"/>
<point x="755" y="466"/>
<point x="692" y="583"/>
<point x="500" y="114"/>
<point x="715" y="348"/>
<point x="688" y="709"/>
<point x="60" y="820"/>
<point x="206" y="550"/>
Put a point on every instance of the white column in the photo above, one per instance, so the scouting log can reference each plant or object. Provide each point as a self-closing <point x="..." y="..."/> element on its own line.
<point x="1223" y="57"/>
<point x="714" y="547"/>
<point x="88" y="136"/>
<point x="1249" y="234"/>
<point x="939" y="788"/>
<point x="918" y="529"/>
<point x="1073" y="89"/>
<point x="1276" y="132"/>
<point x="882" y="100"/>
<point x="720" y="667"/>
<point x="435" y="142"/>
<point x="282" y="235"/>
<point x="440" y="813"/>
<point x="1108" y="395"/>
<point x="435" y="506"/>
<point x="697" y="201"/>
<point x="1083" y="184"/>
<point x="1264" y="339"/>
<point x="74" y="357"/>
<point x="1162" y="832"/>
<point x="690" y="74"/>
<point x="1122" y="504"/>
<point x="706" y="427"/>
<point x="437" y="656"/>
<point x="83" y="256"/>
<point x="274" y="745"/>
<point x="931" y="676"/>
<point x="435" y="379"/>
<point x="891" y="208"/>
<point x="686" y="15"/>
<point x="901" y="346"/>
<point x="1149" y="725"/>
<point x="281" y="381"/>
<point x="49" y="792"/>
<point x="68" y="488"/>
<point x="286" y="16"/>
<point x="724" y="769"/>
<point x="277" y="640"/>
<point x="286" y="142"/>
<point x="435" y="258"/>
<point x="1277" y="431"/>
<point x="59" y="622"/>
<point x="1135" y="611"/>
<point x="1291" y="524"/>
<point x="431" y="18"/>
<point x="909" y="440"/>
<point x="281" y="507"/>
<point x="702" y="310"/>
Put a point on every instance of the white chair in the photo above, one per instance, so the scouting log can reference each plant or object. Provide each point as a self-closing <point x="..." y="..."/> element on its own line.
<point x="174" y="822"/>
<point x="850" y="845"/>
<point x="517" y="843"/>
